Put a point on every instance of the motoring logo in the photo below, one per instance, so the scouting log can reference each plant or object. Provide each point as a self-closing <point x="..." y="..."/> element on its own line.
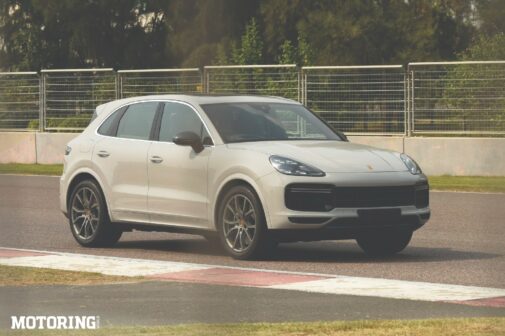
<point x="54" y="322"/>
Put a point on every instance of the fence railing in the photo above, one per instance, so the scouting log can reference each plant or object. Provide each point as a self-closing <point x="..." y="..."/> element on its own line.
<point x="358" y="99"/>
<point x="459" y="98"/>
<point x="20" y="100"/>
<point x="159" y="81"/>
<point x="271" y="80"/>
<point x="71" y="96"/>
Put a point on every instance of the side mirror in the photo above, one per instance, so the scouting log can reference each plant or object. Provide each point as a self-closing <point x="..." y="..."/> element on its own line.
<point x="189" y="139"/>
<point x="342" y="136"/>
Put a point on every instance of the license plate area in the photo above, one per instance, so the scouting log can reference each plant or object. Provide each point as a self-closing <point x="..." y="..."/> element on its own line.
<point x="379" y="216"/>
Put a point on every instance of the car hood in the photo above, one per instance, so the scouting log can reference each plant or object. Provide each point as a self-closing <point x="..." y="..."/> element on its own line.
<point x="330" y="156"/>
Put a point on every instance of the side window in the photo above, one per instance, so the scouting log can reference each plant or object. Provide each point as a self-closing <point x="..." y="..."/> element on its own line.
<point x="181" y="118"/>
<point x="137" y="121"/>
<point x="107" y="127"/>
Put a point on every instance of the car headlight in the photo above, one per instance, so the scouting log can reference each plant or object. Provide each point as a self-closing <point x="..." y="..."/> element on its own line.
<point x="291" y="167"/>
<point x="412" y="166"/>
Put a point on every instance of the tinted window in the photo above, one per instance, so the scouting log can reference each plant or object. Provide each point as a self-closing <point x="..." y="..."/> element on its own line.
<point x="108" y="126"/>
<point x="238" y="122"/>
<point x="181" y="118"/>
<point x="137" y="121"/>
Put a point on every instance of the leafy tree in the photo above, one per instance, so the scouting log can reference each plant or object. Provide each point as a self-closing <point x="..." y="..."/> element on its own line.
<point x="287" y="53"/>
<point x="250" y="50"/>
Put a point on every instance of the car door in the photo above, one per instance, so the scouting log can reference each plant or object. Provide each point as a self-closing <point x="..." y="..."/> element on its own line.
<point x="177" y="174"/>
<point x="121" y="159"/>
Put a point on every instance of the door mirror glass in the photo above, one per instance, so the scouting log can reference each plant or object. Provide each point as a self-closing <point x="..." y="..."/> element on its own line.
<point x="189" y="139"/>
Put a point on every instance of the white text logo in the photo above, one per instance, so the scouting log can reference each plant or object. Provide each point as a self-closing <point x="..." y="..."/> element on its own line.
<point x="55" y="322"/>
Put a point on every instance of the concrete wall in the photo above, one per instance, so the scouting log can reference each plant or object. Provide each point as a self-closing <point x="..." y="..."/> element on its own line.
<point x="436" y="156"/>
<point x="50" y="147"/>
<point x="458" y="156"/>
<point x="17" y="147"/>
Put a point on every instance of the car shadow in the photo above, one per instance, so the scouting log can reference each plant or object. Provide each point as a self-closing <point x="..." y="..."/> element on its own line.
<point x="313" y="252"/>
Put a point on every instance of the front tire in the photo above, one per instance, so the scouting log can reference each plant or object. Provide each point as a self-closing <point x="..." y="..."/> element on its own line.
<point x="88" y="217"/>
<point x="385" y="242"/>
<point x="241" y="224"/>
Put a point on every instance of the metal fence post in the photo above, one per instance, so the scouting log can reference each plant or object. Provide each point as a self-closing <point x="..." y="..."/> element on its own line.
<point x="42" y="109"/>
<point x="407" y="102"/>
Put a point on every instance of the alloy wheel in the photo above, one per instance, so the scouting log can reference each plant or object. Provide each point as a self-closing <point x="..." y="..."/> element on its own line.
<point x="239" y="223"/>
<point x="85" y="213"/>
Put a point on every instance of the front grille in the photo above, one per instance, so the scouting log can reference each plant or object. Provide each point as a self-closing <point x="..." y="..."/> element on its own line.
<point x="325" y="197"/>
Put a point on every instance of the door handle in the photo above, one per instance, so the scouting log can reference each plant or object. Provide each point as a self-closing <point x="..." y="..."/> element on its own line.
<point x="156" y="159"/>
<point x="103" y="154"/>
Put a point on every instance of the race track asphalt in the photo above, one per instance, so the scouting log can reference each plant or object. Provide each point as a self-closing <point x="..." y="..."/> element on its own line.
<point x="462" y="244"/>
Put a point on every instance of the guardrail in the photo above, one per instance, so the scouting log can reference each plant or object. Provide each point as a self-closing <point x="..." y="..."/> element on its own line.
<point x="458" y="98"/>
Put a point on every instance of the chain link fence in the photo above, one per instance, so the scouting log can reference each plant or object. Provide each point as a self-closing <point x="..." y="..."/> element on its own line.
<point x="358" y="99"/>
<point x="71" y="96"/>
<point x="270" y="80"/>
<point x="457" y="98"/>
<point x="20" y="101"/>
<point x="159" y="81"/>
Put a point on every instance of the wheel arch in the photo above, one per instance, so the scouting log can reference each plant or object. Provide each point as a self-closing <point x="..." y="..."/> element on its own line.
<point x="231" y="182"/>
<point x="82" y="176"/>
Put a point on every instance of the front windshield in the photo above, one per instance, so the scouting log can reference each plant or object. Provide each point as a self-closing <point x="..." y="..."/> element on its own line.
<point x="241" y="122"/>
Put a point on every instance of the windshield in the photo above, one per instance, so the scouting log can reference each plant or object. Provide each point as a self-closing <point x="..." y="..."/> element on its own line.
<point x="241" y="122"/>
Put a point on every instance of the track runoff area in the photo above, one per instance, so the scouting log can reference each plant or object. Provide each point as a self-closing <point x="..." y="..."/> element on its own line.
<point x="257" y="278"/>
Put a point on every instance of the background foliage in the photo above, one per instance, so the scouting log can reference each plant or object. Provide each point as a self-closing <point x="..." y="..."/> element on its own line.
<point x="126" y="34"/>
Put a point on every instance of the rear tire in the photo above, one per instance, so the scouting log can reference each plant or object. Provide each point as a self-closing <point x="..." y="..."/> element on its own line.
<point x="241" y="224"/>
<point x="385" y="242"/>
<point x="89" y="218"/>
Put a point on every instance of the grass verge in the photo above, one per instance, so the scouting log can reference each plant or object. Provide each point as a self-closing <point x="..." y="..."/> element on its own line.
<point x="439" y="327"/>
<point x="468" y="183"/>
<point x="26" y="276"/>
<point x="31" y="169"/>
<point x="450" y="183"/>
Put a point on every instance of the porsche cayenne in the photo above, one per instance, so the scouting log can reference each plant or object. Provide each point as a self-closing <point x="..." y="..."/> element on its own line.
<point x="249" y="171"/>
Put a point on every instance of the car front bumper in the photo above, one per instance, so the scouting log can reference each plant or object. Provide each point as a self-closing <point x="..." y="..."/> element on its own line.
<point x="342" y="222"/>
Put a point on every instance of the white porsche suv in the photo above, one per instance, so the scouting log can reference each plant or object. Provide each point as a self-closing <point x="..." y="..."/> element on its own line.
<point x="252" y="171"/>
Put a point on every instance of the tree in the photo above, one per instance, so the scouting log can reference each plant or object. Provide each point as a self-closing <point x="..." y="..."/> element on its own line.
<point x="490" y="16"/>
<point x="100" y="33"/>
<point x="250" y="50"/>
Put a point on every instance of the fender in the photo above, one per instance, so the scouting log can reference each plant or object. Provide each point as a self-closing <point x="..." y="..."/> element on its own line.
<point x="91" y="172"/>
<point x="245" y="178"/>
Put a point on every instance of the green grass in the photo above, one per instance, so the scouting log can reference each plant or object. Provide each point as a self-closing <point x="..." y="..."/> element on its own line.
<point x="27" y="276"/>
<point x="438" y="327"/>
<point x="31" y="169"/>
<point x="468" y="183"/>
<point x="455" y="183"/>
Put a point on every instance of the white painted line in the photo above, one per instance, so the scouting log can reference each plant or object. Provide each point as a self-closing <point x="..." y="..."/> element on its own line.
<point x="468" y="192"/>
<point x="333" y="284"/>
<point x="108" y="266"/>
<point x="395" y="289"/>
